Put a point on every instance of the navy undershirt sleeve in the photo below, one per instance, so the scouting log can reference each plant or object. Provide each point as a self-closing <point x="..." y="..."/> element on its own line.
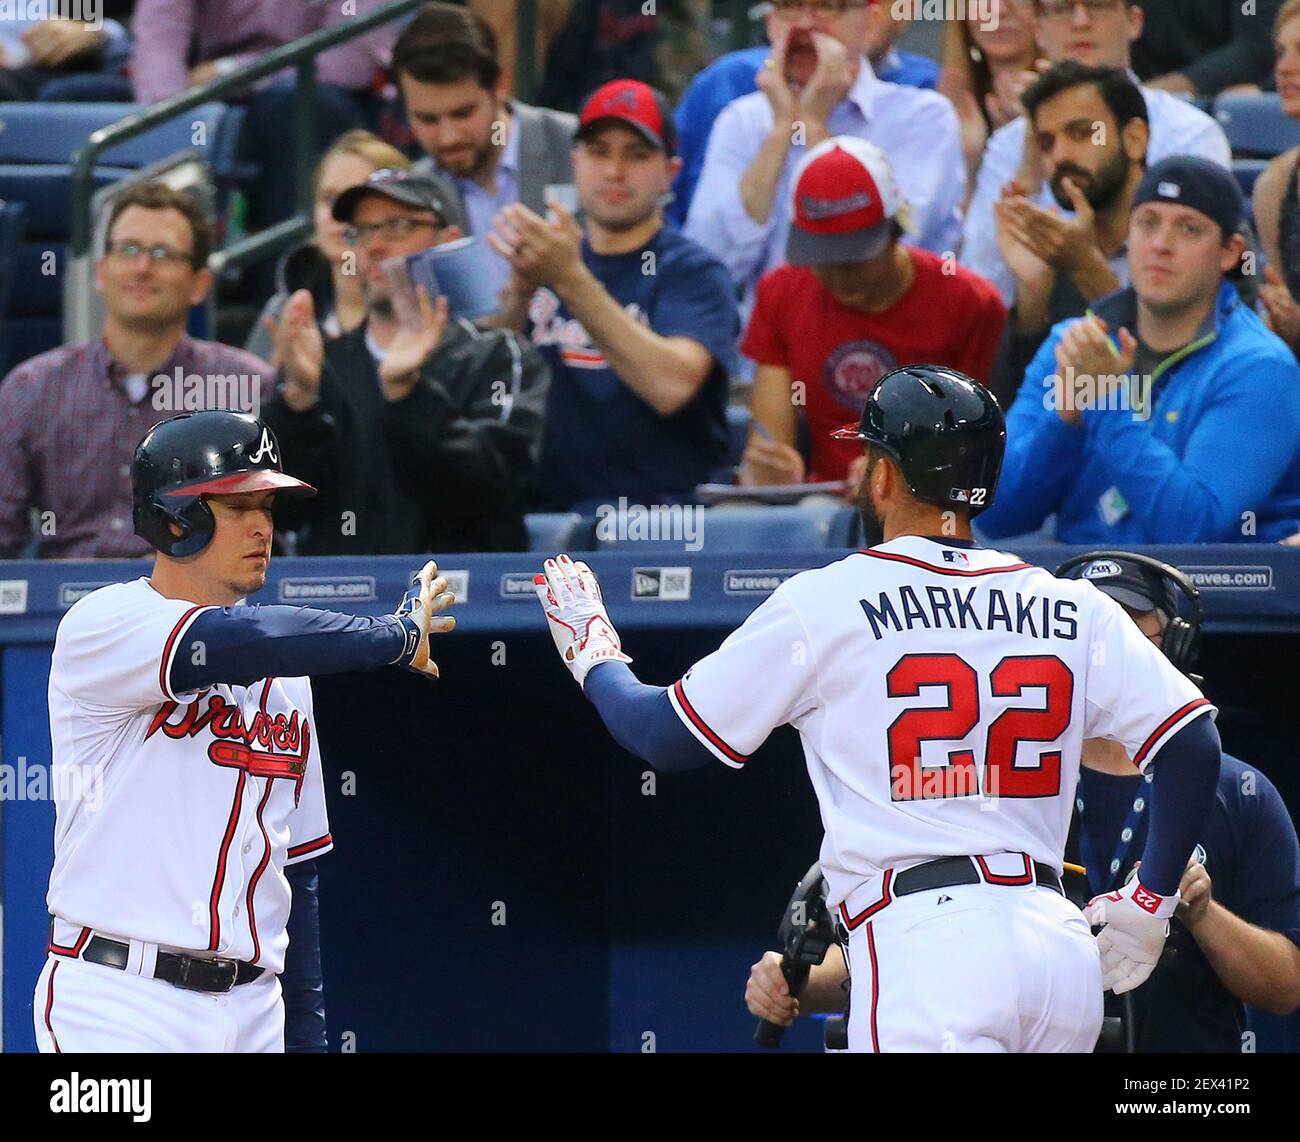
<point x="239" y="645"/>
<point x="642" y="720"/>
<point x="301" y="982"/>
<point x="1182" y="794"/>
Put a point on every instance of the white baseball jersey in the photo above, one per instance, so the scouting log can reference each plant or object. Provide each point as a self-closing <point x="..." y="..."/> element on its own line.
<point x="186" y="808"/>
<point x="943" y="694"/>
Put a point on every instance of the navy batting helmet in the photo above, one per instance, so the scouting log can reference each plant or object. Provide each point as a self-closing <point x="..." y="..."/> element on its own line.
<point x="945" y="431"/>
<point x="197" y="454"/>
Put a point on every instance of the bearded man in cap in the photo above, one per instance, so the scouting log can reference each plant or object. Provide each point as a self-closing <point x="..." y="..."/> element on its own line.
<point x="1169" y="413"/>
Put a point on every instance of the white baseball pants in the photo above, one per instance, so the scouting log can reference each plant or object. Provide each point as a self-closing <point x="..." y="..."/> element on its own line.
<point x="85" y="1007"/>
<point x="975" y="967"/>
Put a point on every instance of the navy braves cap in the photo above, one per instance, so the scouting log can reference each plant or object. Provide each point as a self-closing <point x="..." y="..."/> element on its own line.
<point x="1189" y="180"/>
<point x="410" y="188"/>
<point x="1131" y="584"/>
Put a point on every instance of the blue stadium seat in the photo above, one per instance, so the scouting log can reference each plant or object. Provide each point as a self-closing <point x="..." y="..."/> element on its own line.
<point x="37" y="144"/>
<point x="754" y="530"/>
<point x="1256" y="125"/>
<point x="1247" y="171"/>
<point x="45" y="188"/>
<point x="553" y="532"/>
<point x="738" y="418"/>
<point x="54" y="132"/>
<point x="13" y="220"/>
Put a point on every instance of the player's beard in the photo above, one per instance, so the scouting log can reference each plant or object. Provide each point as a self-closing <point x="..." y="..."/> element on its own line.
<point x="873" y="526"/>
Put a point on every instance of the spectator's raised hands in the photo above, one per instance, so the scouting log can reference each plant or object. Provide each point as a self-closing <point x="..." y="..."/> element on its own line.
<point x="1033" y="273"/>
<point x="1281" y="313"/>
<point x="772" y="82"/>
<point x="414" y="344"/>
<point x="1063" y="243"/>
<point x="299" y="349"/>
<point x="1088" y="366"/>
<point x="830" y="81"/>
<point x="547" y="253"/>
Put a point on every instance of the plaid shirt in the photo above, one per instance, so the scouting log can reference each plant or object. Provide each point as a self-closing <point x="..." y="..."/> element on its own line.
<point x="68" y="431"/>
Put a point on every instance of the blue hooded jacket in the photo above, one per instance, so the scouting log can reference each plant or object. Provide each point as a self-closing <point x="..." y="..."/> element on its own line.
<point x="1217" y="459"/>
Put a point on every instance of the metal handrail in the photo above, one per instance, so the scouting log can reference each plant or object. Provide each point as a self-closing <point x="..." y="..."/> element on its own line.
<point x="301" y="54"/>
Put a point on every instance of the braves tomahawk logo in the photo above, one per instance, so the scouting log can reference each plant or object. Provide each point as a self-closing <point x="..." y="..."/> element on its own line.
<point x="275" y="745"/>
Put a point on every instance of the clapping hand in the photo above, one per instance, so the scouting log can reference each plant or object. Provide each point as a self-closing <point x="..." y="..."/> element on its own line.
<point x="412" y="346"/>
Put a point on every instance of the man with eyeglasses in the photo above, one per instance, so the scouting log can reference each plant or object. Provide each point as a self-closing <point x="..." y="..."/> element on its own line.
<point x="418" y="430"/>
<point x="818" y="83"/>
<point x="735" y="74"/>
<point x="1099" y="33"/>
<point x="69" y="418"/>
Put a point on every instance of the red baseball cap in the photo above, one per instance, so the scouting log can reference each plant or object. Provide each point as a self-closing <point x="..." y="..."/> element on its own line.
<point x="845" y="196"/>
<point x="638" y="105"/>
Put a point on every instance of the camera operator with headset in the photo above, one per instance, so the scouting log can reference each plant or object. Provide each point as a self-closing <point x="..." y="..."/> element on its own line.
<point x="1235" y="938"/>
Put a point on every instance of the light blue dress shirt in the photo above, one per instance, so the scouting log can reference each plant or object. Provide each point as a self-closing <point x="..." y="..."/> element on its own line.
<point x="481" y="206"/>
<point x="917" y="129"/>
<point x="1177" y="128"/>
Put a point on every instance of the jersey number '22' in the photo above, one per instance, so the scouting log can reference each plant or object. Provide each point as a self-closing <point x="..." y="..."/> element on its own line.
<point x="952" y="722"/>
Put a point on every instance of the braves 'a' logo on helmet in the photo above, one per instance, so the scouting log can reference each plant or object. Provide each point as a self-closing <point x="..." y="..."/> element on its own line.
<point x="265" y="447"/>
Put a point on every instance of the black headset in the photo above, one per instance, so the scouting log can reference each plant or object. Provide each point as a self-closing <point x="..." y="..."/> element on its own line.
<point x="1182" y="637"/>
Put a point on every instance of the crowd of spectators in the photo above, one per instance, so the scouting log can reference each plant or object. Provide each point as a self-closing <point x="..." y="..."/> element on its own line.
<point x="1049" y="208"/>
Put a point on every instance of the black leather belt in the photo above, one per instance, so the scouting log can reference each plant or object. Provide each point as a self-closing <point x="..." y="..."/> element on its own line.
<point x="951" y="871"/>
<point x="189" y="972"/>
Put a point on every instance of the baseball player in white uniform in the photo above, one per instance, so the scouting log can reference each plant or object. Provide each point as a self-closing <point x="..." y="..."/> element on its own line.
<point x="188" y="718"/>
<point x="942" y="692"/>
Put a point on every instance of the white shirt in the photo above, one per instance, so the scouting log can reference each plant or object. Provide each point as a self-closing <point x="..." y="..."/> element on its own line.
<point x="942" y="695"/>
<point x="1177" y="128"/>
<point x="917" y="129"/>
<point x="175" y="814"/>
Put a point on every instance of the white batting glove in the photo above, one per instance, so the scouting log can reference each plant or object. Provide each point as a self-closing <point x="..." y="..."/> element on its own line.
<point x="570" y="596"/>
<point x="1136" y="923"/>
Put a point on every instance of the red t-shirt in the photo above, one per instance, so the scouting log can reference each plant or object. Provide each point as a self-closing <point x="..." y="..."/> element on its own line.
<point x="839" y="354"/>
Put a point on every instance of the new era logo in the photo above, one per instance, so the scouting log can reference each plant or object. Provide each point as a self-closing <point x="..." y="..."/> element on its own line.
<point x="1169" y="190"/>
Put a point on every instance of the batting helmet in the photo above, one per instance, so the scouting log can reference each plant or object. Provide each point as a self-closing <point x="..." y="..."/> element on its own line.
<point x="945" y="431"/>
<point x="197" y="454"/>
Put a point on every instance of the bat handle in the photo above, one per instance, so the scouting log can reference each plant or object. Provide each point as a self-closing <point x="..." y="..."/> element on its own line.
<point x="768" y="1034"/>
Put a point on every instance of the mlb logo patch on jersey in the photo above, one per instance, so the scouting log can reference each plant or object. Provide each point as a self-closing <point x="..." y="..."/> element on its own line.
<point x="959" y="557"/>
<point x="959" y="495"/>
<point x="1101" y="569"/>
